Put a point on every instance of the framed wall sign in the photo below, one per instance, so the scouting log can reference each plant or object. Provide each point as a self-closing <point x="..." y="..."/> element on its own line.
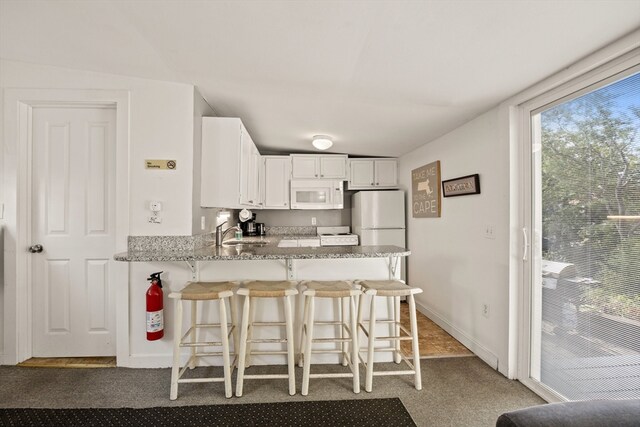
<point x="462" y="186"/>
<point x="425" y="189"/>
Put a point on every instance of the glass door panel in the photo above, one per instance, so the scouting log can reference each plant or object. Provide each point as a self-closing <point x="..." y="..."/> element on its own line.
<point x="585" y="312"/>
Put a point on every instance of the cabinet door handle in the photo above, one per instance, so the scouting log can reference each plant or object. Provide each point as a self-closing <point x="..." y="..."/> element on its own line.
<point x="372" y="183"/>
<point x="321" y="175"/>
<point x="250" y="201"/>
<point x="377" y="183"/>
<point x="316" y="175"/>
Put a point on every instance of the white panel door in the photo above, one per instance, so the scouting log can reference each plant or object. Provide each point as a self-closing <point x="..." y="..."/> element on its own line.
<point x="276" y="182"/>
<point x="73" y="218"/>
<point x="304" y="167"/>
<point x="361" y="173"/>
<point x="333" y="167"/>
<point x="386" y="173"/>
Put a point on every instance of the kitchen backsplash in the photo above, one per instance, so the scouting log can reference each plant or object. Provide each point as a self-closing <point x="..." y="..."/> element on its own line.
<point x="294" y="217"/>
<point x="291" y="231"/>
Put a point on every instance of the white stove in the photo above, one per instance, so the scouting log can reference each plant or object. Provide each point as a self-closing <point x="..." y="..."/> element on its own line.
<point x="337" y="236"/>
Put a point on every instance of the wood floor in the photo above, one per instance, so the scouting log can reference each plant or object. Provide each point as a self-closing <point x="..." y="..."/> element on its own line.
<point x="70" y="362"/>
<point x="433" y="340"/>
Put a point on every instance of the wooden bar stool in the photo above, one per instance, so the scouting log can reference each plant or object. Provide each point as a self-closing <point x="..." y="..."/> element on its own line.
<point x="390" y="289"/>
<point x="253" y="291"/>
<point x="194" y="292"/>
<point x="348" y="331"/>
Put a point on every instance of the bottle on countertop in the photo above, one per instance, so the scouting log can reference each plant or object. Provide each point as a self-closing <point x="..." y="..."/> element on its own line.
<point x="239" y="233"/>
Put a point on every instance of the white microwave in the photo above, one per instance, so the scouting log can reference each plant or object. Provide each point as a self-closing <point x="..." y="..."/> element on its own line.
<point x="317" y="194"/>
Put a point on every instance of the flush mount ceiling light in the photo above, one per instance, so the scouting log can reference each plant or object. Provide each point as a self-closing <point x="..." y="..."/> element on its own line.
<point x="322" y="142"/>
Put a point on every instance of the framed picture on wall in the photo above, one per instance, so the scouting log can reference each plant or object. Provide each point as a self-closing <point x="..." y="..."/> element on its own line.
<point x="425" y="190"/>
<point x="463" y="186"/>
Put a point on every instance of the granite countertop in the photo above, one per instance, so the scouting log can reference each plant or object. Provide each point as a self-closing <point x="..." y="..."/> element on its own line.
<point x="270" y="251"/>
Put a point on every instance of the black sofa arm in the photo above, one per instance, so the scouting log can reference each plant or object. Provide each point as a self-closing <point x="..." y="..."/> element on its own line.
<point x="594" y="413"/>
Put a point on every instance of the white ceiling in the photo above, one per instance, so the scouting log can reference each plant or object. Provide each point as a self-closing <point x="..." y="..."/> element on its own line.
<point x="380" y="77"/>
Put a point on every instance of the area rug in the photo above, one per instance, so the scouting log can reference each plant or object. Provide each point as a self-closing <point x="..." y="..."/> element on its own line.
<point x="361" y="412"/>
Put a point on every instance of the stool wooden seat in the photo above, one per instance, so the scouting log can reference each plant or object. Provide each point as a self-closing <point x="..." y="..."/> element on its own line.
<point x="348" y="332"/>
<point x="390" y="289"/>
<point x="194" y="292"/>
<point x="265" y="289"/>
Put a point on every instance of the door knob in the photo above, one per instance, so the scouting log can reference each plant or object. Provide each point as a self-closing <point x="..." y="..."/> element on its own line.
<point x="35" y="249"/>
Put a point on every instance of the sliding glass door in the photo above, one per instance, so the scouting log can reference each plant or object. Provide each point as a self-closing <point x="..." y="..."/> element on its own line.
<point x="584" y="295"/>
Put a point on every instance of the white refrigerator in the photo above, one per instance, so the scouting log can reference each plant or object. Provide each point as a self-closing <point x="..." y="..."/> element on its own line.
<point x="377" y="217"/>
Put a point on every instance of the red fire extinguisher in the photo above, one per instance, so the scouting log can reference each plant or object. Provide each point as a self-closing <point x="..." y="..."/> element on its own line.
<point x="155" y="317"/>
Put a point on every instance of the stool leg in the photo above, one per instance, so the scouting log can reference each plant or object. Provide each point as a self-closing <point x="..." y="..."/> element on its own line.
<point x="252" y="319"/>
<point x="177" y="335"/>
<point x="355" y="361"/>
<point x="194" y="316"/>
<point x="307" y="347"/>
<point x="396" y="332"/>
<point x="414" y="341"/>
<point x="224" y="334"/>
<point x="372" y="340"/>
<point x="302" y="330"/>
<point x="243" y="345"/>
<point x="359" y="321"/>
<point x="234" y="325"/>
<point x="290" y="347"/>
<point x="343" y="318"/>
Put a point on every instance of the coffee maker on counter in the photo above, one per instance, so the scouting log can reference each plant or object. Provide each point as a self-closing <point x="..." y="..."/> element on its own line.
<point x="248" y="224"/>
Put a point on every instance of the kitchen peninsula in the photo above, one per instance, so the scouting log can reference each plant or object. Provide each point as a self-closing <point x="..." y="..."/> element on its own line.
<point x="261" y="259"/>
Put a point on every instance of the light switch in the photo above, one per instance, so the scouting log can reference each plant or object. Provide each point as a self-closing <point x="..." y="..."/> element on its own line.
<point x="155" y="206"/>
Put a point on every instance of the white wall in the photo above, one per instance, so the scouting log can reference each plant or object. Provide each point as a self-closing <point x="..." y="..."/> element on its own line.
<point x="200" y="109"/>
<point x="458" y="268"/>
<point x="161" y="117"/>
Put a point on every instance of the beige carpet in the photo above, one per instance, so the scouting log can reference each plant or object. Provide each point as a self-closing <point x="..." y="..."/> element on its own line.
<point x="461" y="391"/>
<point x="433" y="340"/>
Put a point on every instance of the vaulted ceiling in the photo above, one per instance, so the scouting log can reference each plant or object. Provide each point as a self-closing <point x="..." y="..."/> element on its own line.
<point x="380" y="77"/>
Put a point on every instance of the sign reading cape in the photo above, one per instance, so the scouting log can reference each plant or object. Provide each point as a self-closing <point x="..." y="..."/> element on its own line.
<point x="425" y="186"/>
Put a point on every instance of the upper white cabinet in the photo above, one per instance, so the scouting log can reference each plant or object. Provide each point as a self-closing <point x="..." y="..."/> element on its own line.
<point x="230" y="175"/>
<point x="372" y="174"/>
<point x="330" y="166"/>
<point x="275" y="182"/>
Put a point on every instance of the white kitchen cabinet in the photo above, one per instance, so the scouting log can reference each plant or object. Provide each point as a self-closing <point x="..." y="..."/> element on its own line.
<point x="329" y="166"/>
<point x="372" y="174"/>
<point x="230" y="165"/>
<point x="275" y="182"/>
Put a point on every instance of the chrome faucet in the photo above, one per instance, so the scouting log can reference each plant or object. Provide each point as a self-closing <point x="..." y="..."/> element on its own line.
<point x="220" y="234"/>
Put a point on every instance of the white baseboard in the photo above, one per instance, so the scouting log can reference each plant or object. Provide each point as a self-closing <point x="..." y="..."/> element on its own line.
<point x="480" y="351"/>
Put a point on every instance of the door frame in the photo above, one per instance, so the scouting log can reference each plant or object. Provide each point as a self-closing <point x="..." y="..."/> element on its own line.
<point x="18" y="110"/>
<point x="612" y="69"/>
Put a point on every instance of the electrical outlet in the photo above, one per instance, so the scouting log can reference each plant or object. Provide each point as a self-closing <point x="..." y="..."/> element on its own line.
<point x="313" y="220"/>
<point x="486" y="309"/>
<point x="155" y="220"/>
<point x="155" y="206"/>
<point x="489" y="232"/>
<point x="203" y="222"/>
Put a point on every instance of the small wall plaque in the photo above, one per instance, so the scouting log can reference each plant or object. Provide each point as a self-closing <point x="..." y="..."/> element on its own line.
<point x="462" y="186"/>
<point x="160" y="164"/>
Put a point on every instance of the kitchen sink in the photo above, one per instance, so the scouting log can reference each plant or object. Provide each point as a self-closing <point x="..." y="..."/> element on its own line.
<point x="243" y="243"/>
